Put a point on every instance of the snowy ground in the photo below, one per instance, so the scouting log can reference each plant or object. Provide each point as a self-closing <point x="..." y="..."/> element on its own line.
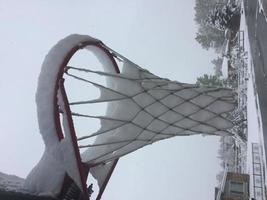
<point x="253" y="109"/>
<point x="255" y="130"/>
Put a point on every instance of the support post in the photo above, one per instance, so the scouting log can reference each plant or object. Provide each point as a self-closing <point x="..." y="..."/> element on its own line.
<point x="73" y="138"/>
<point x="103" y="187"/>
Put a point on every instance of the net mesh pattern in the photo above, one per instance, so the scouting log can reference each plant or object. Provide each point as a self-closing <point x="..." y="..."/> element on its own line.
<point x="144" y="108"/>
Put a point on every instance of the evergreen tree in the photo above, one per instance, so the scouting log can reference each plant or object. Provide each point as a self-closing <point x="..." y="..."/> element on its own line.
<point x="217" y="66"/>
<point x="209" y="37"/>
<point x="212" y="18"/>
<point x="221" y="17"/>
<point x="211" y="80"/>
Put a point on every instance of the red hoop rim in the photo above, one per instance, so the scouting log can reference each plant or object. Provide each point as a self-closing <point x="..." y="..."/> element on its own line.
<point x="60" y="86"/>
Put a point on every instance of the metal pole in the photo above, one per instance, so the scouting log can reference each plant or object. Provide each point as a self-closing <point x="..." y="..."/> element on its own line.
<point x="103" y="187"/>
<point x="73" y="139"/>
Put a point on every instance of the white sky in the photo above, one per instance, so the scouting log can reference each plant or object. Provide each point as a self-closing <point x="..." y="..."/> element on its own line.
<point x="157" y="35"/>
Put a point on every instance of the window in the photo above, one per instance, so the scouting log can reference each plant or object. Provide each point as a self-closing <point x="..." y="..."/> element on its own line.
<point x="257" y="181"/>
<point x="256" y="159"/>
<point x="257" y="168"/>
<point x="258" y="193"/>
<point x="237" y="188"/>
<point x="255" y="148"/>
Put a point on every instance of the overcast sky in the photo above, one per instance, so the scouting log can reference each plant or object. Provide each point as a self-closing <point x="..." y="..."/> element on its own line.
<point x="157" y="35"/>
